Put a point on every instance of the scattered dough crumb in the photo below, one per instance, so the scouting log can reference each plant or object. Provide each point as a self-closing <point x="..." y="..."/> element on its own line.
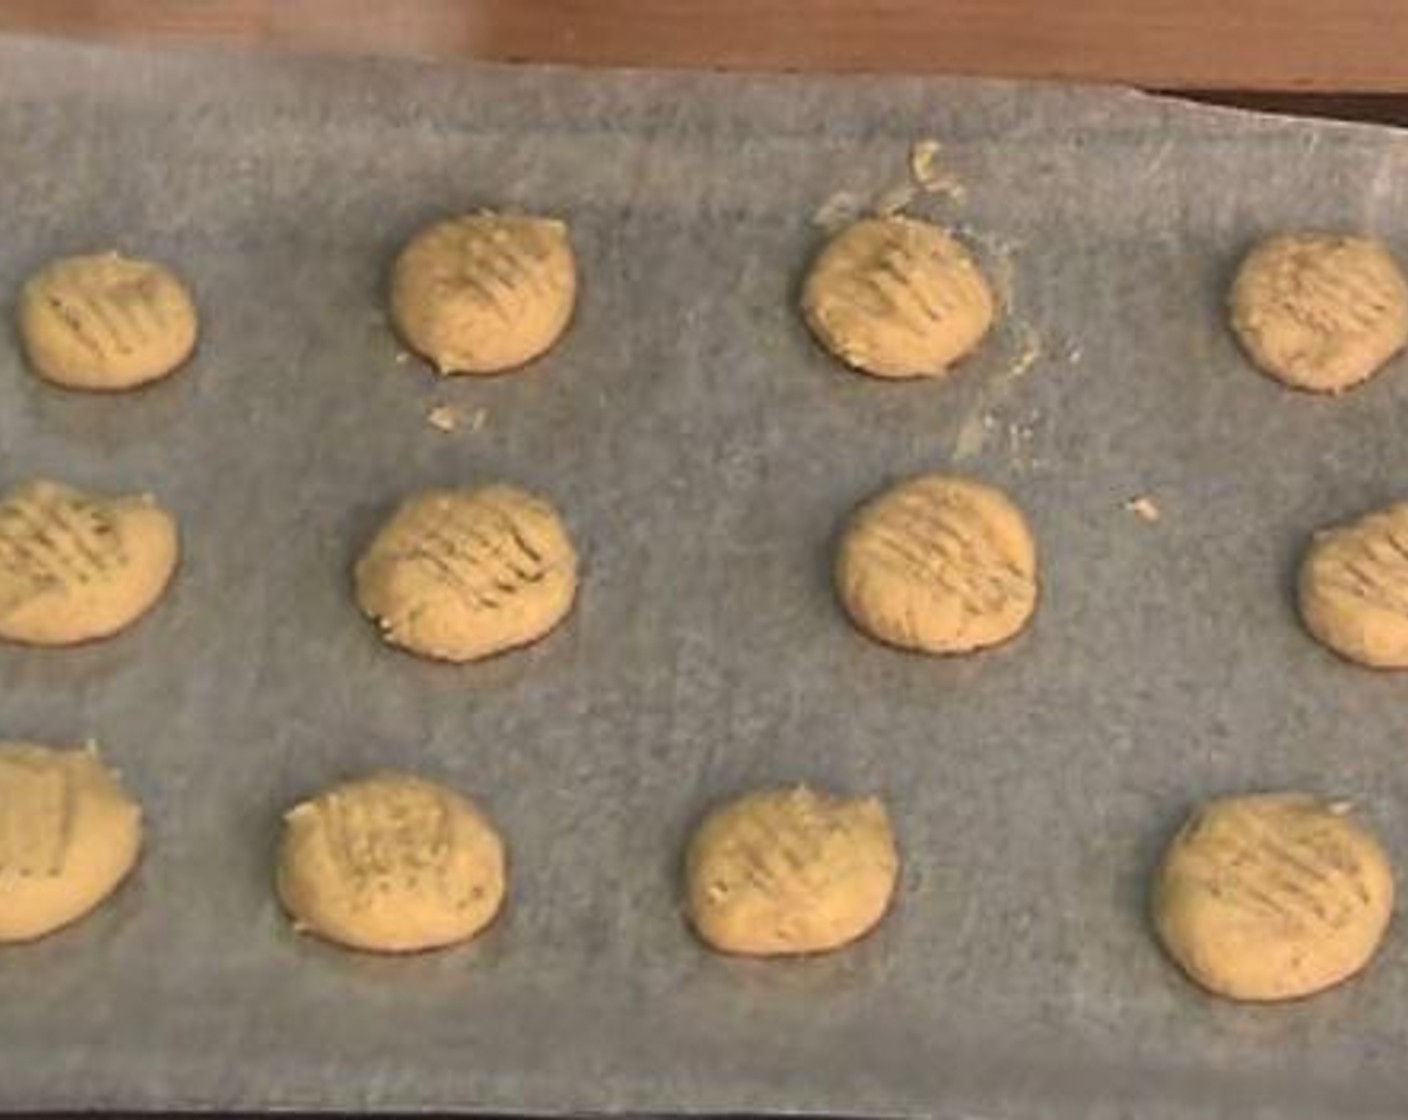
<point x="926" y="171"/>
<point x="892" y="200"/>
<point x="839" y="210"/>
<point x="1143" y="507"/>
<point x="924" y="175"/>
<point x="1029" y="352"/>
<point x="924" y="160"/>
<point x="402" y="357"/>
<point x="1026" y="347"/>
<point x="443" y="417"/>
<point x="1001" y="253"/>
<point x="972" y="436"/>
<point x="450" y="418"/>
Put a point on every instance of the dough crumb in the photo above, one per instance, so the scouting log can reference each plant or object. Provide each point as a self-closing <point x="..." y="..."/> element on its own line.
<point x="402" y="357"/>
<point x="929" y="175"/>
<point x="1029" y="351"/>
<point x="1144" y="508"/>
<point x="839" y="210"/>
<point x="924" y="160"/>
<point x="893" y="200"/>
<point x="972" y="436"/>
<point x="443" y="417"/>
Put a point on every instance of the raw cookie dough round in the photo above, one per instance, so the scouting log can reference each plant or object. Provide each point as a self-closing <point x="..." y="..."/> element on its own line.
<point x="106" y="322"/>
<point x="69" y="834"/>
<point x="1353" y="588"/>
<point x="781" y="872"/>
<point x="896" y="297"/>
<point x="484" y="292"/>
<point x="391" y="863"/>
<point x="76" y="566"/>
<point x="463" y="574"/>
<point x="938" y="564"/>
<point x="1320" y="311"/>
<point x="1272" y="896"/>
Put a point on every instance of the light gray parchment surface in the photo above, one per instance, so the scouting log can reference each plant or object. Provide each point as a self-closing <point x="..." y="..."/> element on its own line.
<point x="704" y="453"/>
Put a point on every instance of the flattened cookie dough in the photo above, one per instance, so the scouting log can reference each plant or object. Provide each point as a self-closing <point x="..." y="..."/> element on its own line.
<point x="1353" y="588"/>
<point x="484" y="292"/>
<point x="782" y="872"/>
<point x="897" y="298"/>
<point x="69" y="834"/>
<point x="463" y="574"/>
<point x="1272" y="896"/>
<point x="106" y="322"/>
<point x="76" y="566"/>
<point x="1320" y="311"/>
<point x="391" y="863"/>
<point x="938" y="564"/>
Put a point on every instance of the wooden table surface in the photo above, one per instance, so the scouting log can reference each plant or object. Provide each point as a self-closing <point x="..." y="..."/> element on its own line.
<point x="1327" y="45"/>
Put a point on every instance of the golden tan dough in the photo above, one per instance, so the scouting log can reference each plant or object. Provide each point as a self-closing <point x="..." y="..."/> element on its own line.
<point x="786" y="871"/>
<point x="69" y="835"/>
<point x="1272" y="896"/>
<point x="76" y="566"/>
<point x="106" y="322"/>
<point x="1353" y="588"/>
<point x="463" y="574"/>
<point x="938" y="564"/>
<point x="896" y="297"/>
<point x="391" y="863"/>
<point x="1320" y="311"/>
<point x="484" y="292"/>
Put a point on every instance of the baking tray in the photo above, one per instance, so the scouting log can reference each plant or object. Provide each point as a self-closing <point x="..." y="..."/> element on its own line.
<point x="704" y="453"/>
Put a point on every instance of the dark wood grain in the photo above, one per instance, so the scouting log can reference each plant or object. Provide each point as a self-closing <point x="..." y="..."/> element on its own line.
<point x="1373" y="108"/>
<point x="1341" y="45"/>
